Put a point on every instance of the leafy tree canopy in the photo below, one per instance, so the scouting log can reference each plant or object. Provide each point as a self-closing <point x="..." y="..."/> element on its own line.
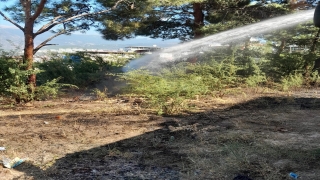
<point x="180" y="19"/>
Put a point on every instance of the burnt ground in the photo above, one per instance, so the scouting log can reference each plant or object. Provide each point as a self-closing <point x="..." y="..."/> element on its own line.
<point x="257" y="134"/>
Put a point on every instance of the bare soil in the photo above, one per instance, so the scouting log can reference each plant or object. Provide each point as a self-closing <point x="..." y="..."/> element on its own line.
<point x="255" y="134"/>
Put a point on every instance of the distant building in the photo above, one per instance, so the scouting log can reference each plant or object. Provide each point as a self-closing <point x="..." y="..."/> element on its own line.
<point x="295" y="48"/>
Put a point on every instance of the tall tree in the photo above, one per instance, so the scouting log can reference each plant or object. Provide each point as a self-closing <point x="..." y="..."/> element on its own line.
<point x="157" y="19"/>
<point x="186" y="19"/>
<point x="59" y="17"/>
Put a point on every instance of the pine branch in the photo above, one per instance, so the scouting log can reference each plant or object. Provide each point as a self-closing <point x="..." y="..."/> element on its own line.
<point x="39" y="9"/>
<point x="47" y="26"/>
<point x="11" y="21"/>
<point x="44" y="43"/>
<point x="50" y="25"/>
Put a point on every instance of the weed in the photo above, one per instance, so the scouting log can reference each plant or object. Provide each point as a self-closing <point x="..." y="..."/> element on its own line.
<point x="291" y="81"/>
<point x="100" y="95"/>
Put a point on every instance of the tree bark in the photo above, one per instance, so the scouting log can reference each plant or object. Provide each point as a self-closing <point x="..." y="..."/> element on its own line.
<point x="198" y="20"/>
<point x="29" y="37"/>
<point x="29" y="44"/>
<point x="28" y="52"/>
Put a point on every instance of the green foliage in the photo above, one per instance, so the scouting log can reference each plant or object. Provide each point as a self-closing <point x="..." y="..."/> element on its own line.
<point x="286" y="64"/>
<point x="6" y="78"/>
<point x="112" y="61"/>
<point x="229" y="18"/>
<point x="70" y="71"/>
<point x="19" y="89"/>
<point x="78" y="69"/>
<point x="246" y="64"/>
<point x="315" y="78"/>
<point x="100" y="95"/>
<point x="292" y="81"/>
<point x="86" y="73"/>
<point x="239" y="65"/>
<point x="55" y="68"/>
<point x="294" y="52"/>
<point x="168" y="20"/>
<point x="255" y="80"/>
<point x="13" y="78"/>
<point x="13" y="82"/>
<point x="51" y="89"/>
<point x="168" y="90"/>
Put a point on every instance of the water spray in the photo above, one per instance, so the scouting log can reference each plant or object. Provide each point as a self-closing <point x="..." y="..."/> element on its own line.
<point x="193" y="48"/>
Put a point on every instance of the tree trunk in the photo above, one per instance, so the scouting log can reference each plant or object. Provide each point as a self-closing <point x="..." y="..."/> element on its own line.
<point x="28" y="50"/>
<point x="198" y="20"/>
<point x="308" y="63"/>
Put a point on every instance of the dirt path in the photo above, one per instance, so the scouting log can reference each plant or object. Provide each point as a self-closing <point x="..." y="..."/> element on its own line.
<point x="258" y="136"/>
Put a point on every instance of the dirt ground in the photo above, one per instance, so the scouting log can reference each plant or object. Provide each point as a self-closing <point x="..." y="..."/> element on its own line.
<point x="262" y="135"/>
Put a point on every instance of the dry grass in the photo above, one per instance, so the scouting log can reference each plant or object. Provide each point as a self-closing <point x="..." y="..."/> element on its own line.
<point x="262" y="135"/>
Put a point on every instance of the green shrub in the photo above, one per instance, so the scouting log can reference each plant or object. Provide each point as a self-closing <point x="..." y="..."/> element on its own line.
<point x="255" y="80"/>
<point x="168" y="90"/>
<point x="6" y="77"/>
<point x="13" y="78"/>
<point x="315" y="78"/>
<point x="50" y="89"/>
<point x="80" y="74"/>
<point x="292" y="81"/>
<point x="78" y="69"/>
<point x="100" y="95"/>
<point x="13" y="82"/>
<point x="18" y="87"/>
<point x="54" y="69"/>
<point x="286" y="64"/>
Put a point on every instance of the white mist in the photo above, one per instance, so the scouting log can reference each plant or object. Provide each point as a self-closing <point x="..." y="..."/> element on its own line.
<point x="155" y="60"/>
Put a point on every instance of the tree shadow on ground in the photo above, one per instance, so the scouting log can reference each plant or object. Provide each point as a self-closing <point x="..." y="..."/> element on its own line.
<point x="258" y="138"/>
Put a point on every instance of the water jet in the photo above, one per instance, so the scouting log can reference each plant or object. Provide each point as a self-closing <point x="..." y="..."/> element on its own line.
<point x="155" y="60"/>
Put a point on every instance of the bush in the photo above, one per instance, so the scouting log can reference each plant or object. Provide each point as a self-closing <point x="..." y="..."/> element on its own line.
<point x="286" y="64"/>
<point x="82" y="73"/>
<point x="13" y="82"/>
<point x="78" y="69"/>
<point x="50" y="89"/>
<point x="18" y="87"/>
<point x="168" y="90"/>
<point x="13" y="78"/>
<point x="292" y="81"/>
<point x="256" y="80"/>
<point x="54" y="69"/>
<point x="6" y="77"/>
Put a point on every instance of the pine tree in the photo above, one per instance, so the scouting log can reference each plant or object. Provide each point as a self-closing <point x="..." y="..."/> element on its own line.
<point x="59" y="17"/>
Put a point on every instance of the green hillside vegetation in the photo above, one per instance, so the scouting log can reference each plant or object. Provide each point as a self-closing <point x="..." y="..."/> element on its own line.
<point x="264" y="66"/>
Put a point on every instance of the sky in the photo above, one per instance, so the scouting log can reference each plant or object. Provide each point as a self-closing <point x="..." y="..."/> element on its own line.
<point x="8" y="30"/>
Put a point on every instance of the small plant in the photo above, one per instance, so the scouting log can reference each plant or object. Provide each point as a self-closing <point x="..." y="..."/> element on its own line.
<point x="50" y="89"/>
<point x="100" y="95"/>
<point x="255" y="80"/>
<point x="16" y="86"/>
<point x="291" y="81"/>
<point x="315" y="78"/>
